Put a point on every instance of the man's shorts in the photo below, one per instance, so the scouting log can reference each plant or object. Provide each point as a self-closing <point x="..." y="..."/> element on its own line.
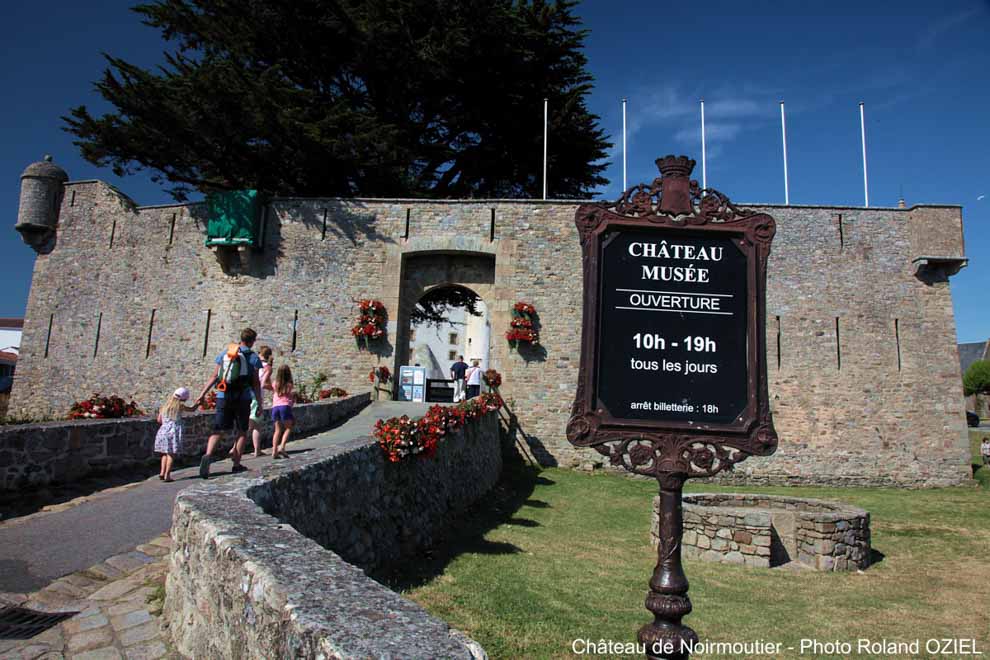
<point x="234" y="416"/>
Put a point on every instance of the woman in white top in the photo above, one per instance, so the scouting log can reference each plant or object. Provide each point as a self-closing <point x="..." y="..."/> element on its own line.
<point x="473" y="379"/>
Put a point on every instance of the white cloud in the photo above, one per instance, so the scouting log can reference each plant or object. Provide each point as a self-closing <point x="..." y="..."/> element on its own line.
<point x="714" y="132"/>
<point x="928" y="37"/>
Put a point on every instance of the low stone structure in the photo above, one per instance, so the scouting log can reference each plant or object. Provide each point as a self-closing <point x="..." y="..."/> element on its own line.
<point x="259" y="567"/>
<point x="64" y="451"/>
<point x="770" y="530"/>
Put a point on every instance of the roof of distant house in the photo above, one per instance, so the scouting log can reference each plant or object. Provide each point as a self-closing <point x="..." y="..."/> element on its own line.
<point x="971" y="352"/>
<point x="6" y="357"/>
<point x="8" y="323"/>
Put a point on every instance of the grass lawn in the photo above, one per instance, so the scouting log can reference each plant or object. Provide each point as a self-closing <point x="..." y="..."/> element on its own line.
<point x="557" y="555"/>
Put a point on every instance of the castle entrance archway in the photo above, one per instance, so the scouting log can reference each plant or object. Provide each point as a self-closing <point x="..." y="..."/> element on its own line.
<point x="449" y="276"/>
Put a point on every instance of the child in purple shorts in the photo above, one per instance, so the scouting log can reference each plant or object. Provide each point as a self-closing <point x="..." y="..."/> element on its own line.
<point x="282" y="400"/>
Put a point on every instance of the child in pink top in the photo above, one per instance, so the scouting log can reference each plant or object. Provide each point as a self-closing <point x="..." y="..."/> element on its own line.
<point x="282" y="400"/>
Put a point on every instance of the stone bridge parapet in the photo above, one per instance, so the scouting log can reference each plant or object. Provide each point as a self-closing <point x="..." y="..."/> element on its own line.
<point x="35" y="455"/>
<point x="272" y="565"/>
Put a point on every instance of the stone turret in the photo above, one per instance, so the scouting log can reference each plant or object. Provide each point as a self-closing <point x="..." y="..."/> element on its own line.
<point x="42" y="187"/>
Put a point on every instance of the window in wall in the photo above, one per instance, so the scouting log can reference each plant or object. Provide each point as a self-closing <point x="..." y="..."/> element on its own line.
<point x="452" y="355"/>
<point x="453" y="338"/>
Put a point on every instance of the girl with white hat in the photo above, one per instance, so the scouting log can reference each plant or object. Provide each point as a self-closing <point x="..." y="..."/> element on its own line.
<point x="168" y="440"/>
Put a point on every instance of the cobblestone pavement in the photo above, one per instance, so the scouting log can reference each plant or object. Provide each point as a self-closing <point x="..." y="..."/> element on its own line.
<point x="119" y="605"/>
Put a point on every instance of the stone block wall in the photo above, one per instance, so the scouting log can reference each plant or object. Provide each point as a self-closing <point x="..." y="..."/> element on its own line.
<point x="401" y="507"/>
<point x="767" y="530"/>
<point x="863" y="368"/>
<point x="731" y="536"/>
<point x="33" y="455"/>
<point x="247" y="581"/>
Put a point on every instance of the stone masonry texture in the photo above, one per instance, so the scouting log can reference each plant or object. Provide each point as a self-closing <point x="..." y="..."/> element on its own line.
<point x="865" y="386"/>
<point x="770" y="530"/>
<point x="270" y="566"/>
<point x="62" y="452"/>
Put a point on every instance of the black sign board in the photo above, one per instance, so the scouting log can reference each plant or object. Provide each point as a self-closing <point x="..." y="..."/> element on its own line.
<point x="673" y="382"/>
<point x="672" y="341"/>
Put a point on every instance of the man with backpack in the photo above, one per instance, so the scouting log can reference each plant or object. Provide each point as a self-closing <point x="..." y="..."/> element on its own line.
<point x="237" y="383"/>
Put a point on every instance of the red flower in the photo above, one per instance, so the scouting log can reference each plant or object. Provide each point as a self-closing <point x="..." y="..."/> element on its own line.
<point x="401" y="437"/>
<point x="493" y="378"/>
<point x="97" y="407"/>
<point x="370" y="323"/>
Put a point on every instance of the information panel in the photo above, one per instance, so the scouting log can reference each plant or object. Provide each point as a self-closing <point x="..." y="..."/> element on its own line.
<point x="412" y="383"/>
<point x="673" y="320"/>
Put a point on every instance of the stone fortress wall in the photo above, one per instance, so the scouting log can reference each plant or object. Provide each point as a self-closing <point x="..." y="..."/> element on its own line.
<point x="863" y="367"/>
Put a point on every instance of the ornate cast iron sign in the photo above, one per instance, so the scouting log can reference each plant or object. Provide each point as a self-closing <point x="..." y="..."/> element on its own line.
<point x="673" y="379"/>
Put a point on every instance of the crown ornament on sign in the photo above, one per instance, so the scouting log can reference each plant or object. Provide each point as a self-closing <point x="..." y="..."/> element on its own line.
<point x="675" y="166"/>
<point x="671" y="198"/>
<point x="676" y="185"/>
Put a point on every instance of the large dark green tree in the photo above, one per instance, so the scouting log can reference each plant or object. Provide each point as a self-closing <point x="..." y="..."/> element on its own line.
<point x="424" y="98"/>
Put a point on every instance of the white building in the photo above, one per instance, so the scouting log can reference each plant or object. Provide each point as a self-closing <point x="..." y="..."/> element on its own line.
<point x="437" y="347"/>
<point x="10" y="344"/>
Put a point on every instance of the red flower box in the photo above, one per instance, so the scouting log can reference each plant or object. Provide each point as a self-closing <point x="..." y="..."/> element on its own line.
<point x="370" y="323"/>
<point x="522" y="327"/>
<point x="401" y="437"/>
<point x="383" y="374"/>
<point x="103" y="407"/>
<point x="493" y="379"/>
<point x="333" y="392"/>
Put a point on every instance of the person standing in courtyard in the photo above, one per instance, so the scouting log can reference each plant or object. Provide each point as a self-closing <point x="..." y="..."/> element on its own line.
<point x="282" y="400"/>
<point x="457" y="372"/>
<point x="985" y="451"/>
<point x="237" y="382"/>
<point x="168" y="440"/>
<point x="473" y="378"/>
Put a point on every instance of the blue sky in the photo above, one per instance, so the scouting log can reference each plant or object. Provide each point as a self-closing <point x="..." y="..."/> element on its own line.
<point x="920" y="67"/>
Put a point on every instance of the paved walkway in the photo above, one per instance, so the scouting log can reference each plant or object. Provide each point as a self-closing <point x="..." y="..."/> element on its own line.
<point x="39" y="548"/>
<point x="119" y="611"/>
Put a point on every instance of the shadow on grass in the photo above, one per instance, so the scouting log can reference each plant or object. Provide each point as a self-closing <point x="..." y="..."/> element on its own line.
<point x="466" y="533"/>
<point x="876" y="557"/>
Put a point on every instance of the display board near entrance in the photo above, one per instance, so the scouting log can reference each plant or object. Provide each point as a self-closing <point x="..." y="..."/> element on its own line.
<point x="672" y="344"/>
<point x="412" y="383"/>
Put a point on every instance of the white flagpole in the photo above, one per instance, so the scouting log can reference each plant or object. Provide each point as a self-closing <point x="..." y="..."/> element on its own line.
<point x="783" y="132"/>
<point x="546" y="124"/>
<point x="623" y="145"/>
<point x="704" y="163"/>
<point x="862" y="132"/>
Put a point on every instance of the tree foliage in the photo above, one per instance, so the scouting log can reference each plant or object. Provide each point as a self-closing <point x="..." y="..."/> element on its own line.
<point x="424" y="98"/>
<point x="976" y="380"/>
<point x="433" y="306"/>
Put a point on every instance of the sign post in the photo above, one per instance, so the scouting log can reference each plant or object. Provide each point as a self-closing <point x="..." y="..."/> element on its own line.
<point x="673" y="380"/>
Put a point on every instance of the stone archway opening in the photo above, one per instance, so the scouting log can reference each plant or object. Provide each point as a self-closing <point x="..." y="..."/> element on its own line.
<point x="463" y="282"/>
<point x="435" y="344"/>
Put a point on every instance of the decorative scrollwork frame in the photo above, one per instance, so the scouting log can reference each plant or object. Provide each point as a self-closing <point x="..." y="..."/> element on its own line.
<point x="675" y="202"/>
